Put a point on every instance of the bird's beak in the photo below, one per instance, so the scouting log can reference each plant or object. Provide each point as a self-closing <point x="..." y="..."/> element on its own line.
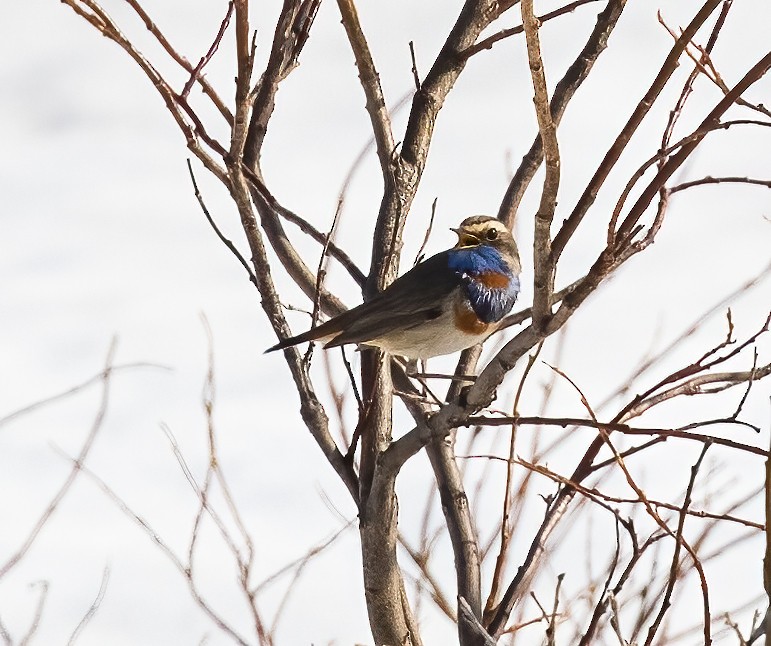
<point x="465" y="239"/>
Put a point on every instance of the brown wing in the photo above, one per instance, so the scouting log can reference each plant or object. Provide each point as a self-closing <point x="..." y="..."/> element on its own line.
<point x="410" y="300"/>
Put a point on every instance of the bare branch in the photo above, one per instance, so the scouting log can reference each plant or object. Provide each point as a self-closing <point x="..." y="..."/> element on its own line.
<point x="35" y="623"/>
<point x="415" y="75"/>
<point x="370" y="83"/>
<point x="625" y="429"/>
<point x="563" y="93"/>
<point x="500" y="561"/>
<point x="619" y="145"/>
<point x="196" y="72"/>
<point x="420" y="558"/>
<point x="488" y="42"/>
<point x="543" y="266"/>
<point x="667" y="600"/>
<point x="674" y="162"/>
<point x="469" y="620"/>
<point x="291" y="34"/>
<point x="169" y="553"/>
<point x="181" y="60"/>
<point x="228" y="243"/>
<point x="97" y="378"/>
<point x="704" y="181"/>
<point x="77" y="465"/>
<point x="92" y="608"/>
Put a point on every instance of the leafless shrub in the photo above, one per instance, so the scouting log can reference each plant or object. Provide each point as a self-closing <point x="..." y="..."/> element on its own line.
<point x="617" y="603"/>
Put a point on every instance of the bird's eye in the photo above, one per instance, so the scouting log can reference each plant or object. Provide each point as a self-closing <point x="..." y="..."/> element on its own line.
<point x="491" y="234"/>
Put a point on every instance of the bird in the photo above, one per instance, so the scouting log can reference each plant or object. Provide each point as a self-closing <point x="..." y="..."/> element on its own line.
<point x="447" y="303"/>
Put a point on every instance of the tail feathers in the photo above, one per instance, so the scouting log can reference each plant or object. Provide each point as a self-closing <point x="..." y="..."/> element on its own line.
<point x="323" y="332"/>
<point x="293" y="340"/>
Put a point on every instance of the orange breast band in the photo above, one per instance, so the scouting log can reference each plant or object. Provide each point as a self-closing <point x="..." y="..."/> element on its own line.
<point x="467" y="321"/>
<point x="493" y="280"/>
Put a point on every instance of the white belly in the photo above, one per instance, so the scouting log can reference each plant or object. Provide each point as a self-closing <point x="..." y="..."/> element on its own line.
<point x="430" y="339"/>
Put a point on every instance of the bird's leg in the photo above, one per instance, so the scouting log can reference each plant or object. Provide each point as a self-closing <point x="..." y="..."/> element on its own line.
<point x="428" y="395"/>
<point x="416" y="375"/>
<point x="411" y="371"/>
<point x="431" y="399"/>
<point x="411" y="368"/>
<point x="437" y="375"/>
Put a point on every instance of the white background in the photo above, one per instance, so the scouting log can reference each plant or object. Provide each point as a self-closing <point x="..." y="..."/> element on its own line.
<point x="102" y="238"/>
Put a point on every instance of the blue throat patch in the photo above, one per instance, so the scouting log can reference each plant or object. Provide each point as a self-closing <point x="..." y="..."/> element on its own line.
<point x="490" y="303"/>
<point x="475" y="260"/>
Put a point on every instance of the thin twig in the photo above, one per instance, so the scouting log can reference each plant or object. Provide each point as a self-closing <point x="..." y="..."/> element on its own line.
<point x="196" y="73"/>
<point x="180" y="60"/>
<point x="97" y="378"/>
<point x="77" y="466"/>
<point x="228" y="243"/>
<point x="415" y="75"/>
<point x="679" y="541"/>
<point x="38" y="615"/>
<point x="92" y="608"/>
<point x="429" y="228"/>
<point x="704" y="181"/>
<point x="668" y="68"/>
<point x="625" y="429"/>
<point x="488" y="42"/>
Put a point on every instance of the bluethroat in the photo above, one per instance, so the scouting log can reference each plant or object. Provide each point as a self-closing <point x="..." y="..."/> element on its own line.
<point x="444" y="304"/>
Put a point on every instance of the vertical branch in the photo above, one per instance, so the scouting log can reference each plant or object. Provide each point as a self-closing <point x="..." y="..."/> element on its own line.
<point x="242" y="148"/>
<point x="543" y="269"/>
<point x="311" y="409"/>
<point x="767" y="557"/>
<point x="376" y="434"/>
<point x="389" y="612"/>
<point x="458" y="518"/>
<point x="563" y="93"/>
<point x="409" y="164"/>
<point x="455" y="507"/>
<point x="291" y="34"/>
<point x="370" y="83"/>
<point x="397" y="198"/>
<point x="242" y="37"/>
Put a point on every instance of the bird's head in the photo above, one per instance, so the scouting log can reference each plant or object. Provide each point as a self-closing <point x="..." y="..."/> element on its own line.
<point x="484" y="230"/>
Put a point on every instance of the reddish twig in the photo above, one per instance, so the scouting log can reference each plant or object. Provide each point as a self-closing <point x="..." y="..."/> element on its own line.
<point x="668" y="68"/>
<point x="674" y="568"/>
<point x="181" y="60"/>
<point x="709" y="180"/>
<point x="625" y="429"/>
<point x="196" y="72"/>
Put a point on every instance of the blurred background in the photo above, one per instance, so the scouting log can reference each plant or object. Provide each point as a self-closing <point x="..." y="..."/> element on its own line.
<point x="103" y="242"/>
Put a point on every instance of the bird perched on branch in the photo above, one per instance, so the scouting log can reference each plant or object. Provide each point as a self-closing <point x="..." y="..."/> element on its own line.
<point x="447" y="303"/>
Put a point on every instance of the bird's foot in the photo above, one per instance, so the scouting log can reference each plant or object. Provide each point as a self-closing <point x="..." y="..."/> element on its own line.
<point x="438" y="375"/>
<point x="425" y="397"/>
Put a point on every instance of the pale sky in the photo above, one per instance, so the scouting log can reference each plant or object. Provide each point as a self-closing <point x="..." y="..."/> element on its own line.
<point x="103" y="239"/>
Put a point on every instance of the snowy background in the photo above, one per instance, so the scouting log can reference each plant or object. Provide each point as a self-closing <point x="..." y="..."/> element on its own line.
<point x="102" y="238"/>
